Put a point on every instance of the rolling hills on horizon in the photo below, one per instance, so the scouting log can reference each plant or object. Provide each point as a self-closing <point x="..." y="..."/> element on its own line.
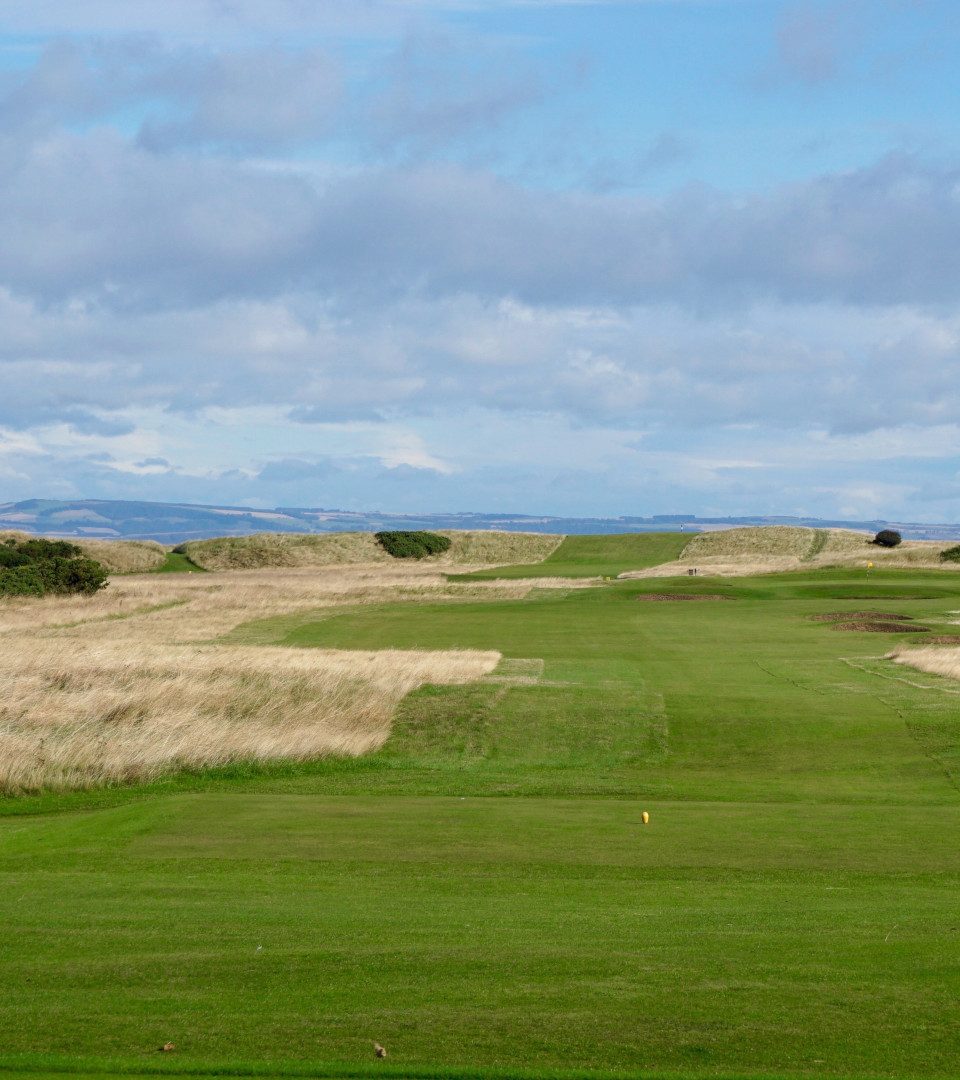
<point x="171" y="523"/>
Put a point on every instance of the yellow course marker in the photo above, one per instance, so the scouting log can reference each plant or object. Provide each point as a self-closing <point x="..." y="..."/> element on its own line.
<point x="645" y="818"/>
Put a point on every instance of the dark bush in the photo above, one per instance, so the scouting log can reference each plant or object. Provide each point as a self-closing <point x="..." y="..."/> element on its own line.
<point x="887" y="538"/>
<point x="38" y="567"/>
<point x="412" y="545"/>
<point x="952" y="554"/>
<point x="9" y="556"/>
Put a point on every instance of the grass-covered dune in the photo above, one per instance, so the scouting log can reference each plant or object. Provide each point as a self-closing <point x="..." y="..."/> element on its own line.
<point x="825" y="547"/>
<point x="117" y="556"/>
<point x="263" y="550"/>
<point x="481" y="895"/>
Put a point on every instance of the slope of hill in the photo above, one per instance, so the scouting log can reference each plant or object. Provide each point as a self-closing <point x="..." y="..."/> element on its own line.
<point x="769" y="549"/>
<point x="264" y="550"/>
<point x="118" y="556"/>
<point x="173" y="523"/>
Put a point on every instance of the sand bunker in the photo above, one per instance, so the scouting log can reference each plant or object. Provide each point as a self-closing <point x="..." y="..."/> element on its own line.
<point x="860" y="616"/>
<point x="883" y="627"/>
<point x="682" y="596"/>
<point x="942" y="639"/>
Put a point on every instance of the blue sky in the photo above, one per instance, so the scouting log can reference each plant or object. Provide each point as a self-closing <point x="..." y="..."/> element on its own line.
<point x="581" y="258"/>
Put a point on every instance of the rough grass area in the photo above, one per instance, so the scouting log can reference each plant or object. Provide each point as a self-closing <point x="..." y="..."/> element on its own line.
<point x="117" y="556"/>
<point x="596" y="556"/>
<point x="126" y="685"/>
<point x="934" y="661"/>
<point x="267" y="550"/>
<point x="774" y="540"/>
<point x="743" y="552"/>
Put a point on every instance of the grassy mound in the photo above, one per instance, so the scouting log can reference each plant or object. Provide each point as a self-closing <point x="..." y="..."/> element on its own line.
<point x="117" y="556"/>
<point x="264" y="550"/>
<point x="775" y="540"/>
<point x="596" y="556"/>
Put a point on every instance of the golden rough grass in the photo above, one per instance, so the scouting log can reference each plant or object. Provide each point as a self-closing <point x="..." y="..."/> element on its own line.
<point x="132" y="683"/>
<point x="934" y="661"/>
<point x="779" y="548"/>
<point x="103" y="712"/>
<point x="124" y="556"/>
<point x="265" y="550"/>
<point x="118" y="556"/>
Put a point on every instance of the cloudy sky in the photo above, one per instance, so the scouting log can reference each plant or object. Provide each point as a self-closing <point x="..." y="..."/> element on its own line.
<point x="543" y="256"/>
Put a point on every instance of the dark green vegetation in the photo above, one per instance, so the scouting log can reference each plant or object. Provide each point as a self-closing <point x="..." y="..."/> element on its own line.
<point x="178" y="563"/>
<point x="951" y="554"/>
<point x="888" y="538"/>
<point x="412" y="545"/>
<point x="42" y="567"/>
<point x="482" y="895"/>
<point x="592" y="556"/>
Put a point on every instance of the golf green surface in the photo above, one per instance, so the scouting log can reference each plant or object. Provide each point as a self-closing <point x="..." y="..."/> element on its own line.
<point x="482" y="897"/>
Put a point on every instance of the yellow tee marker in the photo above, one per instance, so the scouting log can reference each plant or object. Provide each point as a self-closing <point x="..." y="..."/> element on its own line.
<point x="645" y="818"/>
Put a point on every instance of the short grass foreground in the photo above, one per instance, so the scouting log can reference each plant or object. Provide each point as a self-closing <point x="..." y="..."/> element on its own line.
<point x="481" y="895"/>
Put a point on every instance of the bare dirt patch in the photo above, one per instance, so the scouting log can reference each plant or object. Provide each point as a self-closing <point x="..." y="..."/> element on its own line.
<point x="859" y="616"/>
<point x="883" y="627"/>
<point x="683" y="596"/>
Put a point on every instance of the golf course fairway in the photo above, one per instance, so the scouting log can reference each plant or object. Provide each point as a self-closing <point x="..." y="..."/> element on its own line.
<point x="482" y="897"/>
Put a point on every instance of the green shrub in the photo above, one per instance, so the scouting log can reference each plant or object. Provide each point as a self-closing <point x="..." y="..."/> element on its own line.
<point x="9" y="556"/>
<point x="952" y="554"/>
<point x="37" y="567"/>
<point x="21" y="581"/>
<point x="40" y="550"/>
<point x="412" y="545"/>
<point x="887" y="538"/>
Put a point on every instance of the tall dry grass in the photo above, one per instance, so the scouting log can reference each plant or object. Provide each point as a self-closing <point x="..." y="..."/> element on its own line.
<point x="136" y="681"/>
<point x="775" y="549"/>
<point x="116" y="712"/>
<point x="124" y="556"/>
<point x="933" y="660"/>
<point x="118" y="556"/>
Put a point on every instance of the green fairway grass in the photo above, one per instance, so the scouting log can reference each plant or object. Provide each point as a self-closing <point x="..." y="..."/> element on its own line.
<point x="481" y="895"/>
<point x="177" y="563"/>
<point x="595" y="556"/>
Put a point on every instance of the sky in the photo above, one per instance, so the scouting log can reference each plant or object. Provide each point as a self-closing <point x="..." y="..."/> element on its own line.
<point x="531" y="256"/>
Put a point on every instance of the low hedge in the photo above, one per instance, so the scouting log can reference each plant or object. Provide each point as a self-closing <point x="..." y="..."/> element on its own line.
<point x="951" y="554"/>
<point x="412" y="545"/>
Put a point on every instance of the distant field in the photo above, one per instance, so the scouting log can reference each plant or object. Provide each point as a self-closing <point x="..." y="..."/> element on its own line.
<point x="597" y="556"/>
<point x="480" y="894"/>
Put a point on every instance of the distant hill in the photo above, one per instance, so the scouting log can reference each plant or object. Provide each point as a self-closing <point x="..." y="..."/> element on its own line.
<point x="172" y="523"/>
